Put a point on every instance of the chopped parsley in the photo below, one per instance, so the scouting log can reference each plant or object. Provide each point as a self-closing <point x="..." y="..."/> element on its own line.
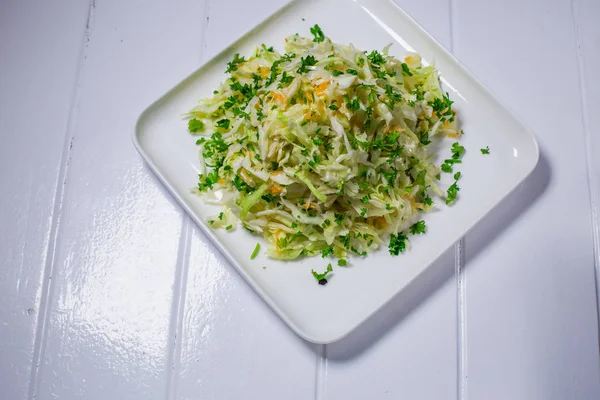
<point x="321" y="278"/>
<point x="306" y="62"/>
<point x="424" y="138"/>
<point x="451" y="193"/>
<point x="207" y="181"/>
<point x="397" y="243"/>
<point x="353" y="105"/>
<point x="223" y="123"/>
<point x="457" y="153"/>
<point x="486" y="150"/>
<point x="326" y="252"/>
<point x="267" y="197"/>
<point x="342" y="263"/>
<point x="376" y="58"/>
<point x="233" y="65"/>
<point x="317" y="33"/>
<point x="195" y="125"/>
<point x="418" y="228"/>
<point x="457" y="150"/>
<point x="442" y="106"/>
<point x="391" y="97"/>
<point x="285" y="78"/>
<point x="241" y="185"/>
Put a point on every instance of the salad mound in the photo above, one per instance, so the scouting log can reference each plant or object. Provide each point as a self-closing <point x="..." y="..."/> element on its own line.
<point x="324" y="150"/>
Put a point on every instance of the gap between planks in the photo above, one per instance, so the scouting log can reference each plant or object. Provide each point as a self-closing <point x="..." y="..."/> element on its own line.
<point x="461" y="348"/>
<point x="592" y="180"/>
<point x="59" y="196"/>
<point x="181" y="272"/>
<point x="459" y="264"/>
<point x="178" y="308"/>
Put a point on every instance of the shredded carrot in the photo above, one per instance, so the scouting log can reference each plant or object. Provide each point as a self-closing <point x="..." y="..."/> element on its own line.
<point x="321" y="88"/>
<point x="412" y="202"/>
<point x="453" y="135"/>
<point x="378" y="222"/>
<point x="408" y="59"/>
<point x="310" y="205"/>
<point x="264" y="71"/>
<point x="393" y="128"/>
<point x="276" y="189"/>
<point x="277" y="96"/>
<point x="312" y="116"/>
<point x="411" y="198"/>
<point x="381" y="222"/>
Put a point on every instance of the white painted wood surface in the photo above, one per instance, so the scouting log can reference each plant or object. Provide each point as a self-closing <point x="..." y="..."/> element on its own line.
<point x="107" y="290"/>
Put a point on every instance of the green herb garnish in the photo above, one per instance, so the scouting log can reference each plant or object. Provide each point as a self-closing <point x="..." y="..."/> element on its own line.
<point x="321" y="277"/>
<point x="255" y="252"/>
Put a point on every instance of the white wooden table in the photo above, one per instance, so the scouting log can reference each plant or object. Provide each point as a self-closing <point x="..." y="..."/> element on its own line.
<point x="108" y="290"/>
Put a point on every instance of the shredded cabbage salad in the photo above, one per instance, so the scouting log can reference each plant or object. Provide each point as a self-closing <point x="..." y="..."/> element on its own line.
<point x="324" y="150"/>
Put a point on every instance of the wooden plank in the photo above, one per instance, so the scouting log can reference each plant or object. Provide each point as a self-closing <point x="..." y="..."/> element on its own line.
<point x="588" y="49"/>
<point x="111" y="301"/>
<point x="233" y="345"/>
<point x="531" y="302"/>
<point x="409" y="350"/>
<point x="40" y="47"/>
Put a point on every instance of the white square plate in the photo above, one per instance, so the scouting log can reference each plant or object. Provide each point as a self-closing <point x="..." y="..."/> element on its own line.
<point x="324" y="314"/>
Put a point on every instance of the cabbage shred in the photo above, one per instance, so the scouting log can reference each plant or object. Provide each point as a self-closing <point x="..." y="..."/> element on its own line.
<point x="324" y="149"/>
